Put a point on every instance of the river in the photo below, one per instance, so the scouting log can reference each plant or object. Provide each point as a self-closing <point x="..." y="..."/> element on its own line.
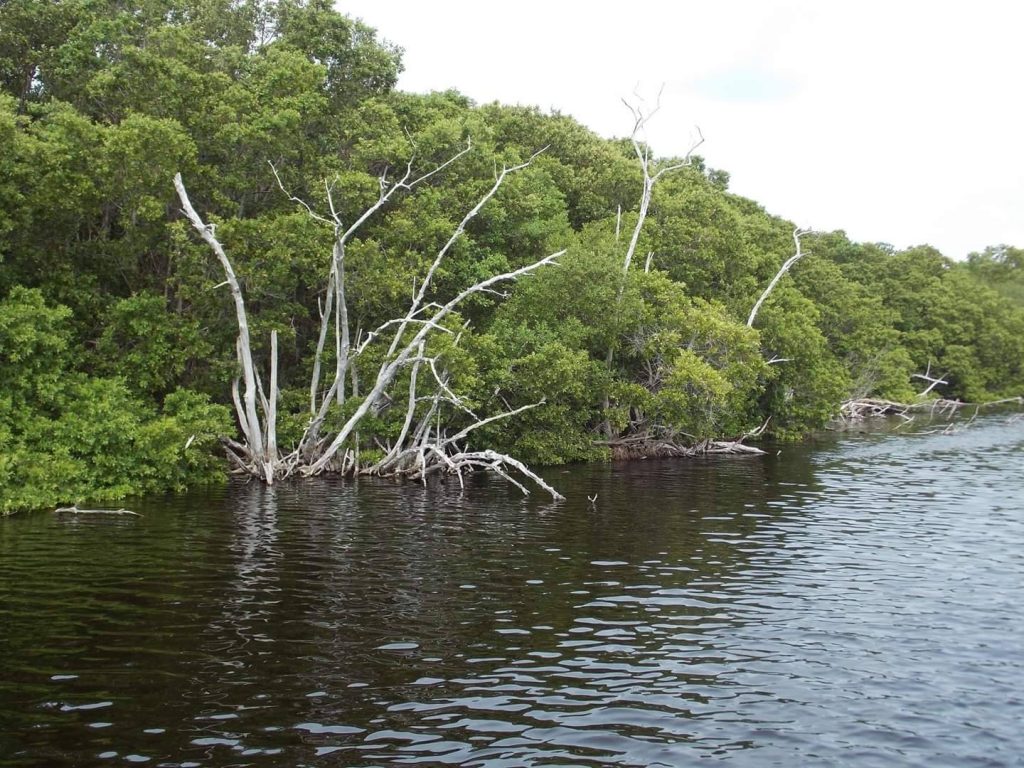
<point x="856" y="600"/>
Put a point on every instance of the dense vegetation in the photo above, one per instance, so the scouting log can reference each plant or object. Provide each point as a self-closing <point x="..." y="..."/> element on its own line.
<point x="117" y="338"/>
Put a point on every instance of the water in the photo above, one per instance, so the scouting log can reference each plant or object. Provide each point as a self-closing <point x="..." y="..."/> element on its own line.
<point x="857" y="602"/>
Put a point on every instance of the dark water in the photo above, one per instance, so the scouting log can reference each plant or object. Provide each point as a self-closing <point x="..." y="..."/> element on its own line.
<point x="855" y="603"/>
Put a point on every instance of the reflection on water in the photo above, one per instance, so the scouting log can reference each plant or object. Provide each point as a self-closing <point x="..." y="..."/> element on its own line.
<point x="856" y="603"/>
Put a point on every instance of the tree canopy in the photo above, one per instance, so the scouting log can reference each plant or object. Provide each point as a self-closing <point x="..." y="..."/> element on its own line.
<point x="117" y="336"/>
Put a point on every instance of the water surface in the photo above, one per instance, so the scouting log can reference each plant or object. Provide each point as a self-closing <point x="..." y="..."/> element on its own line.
<point x="857" y="601"/>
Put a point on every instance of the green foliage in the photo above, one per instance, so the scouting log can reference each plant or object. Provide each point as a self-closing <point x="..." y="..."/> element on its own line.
<point x="356" y="63"/>
<point x="679" y="366"/>
<point x="953" y="324"/>
<point x="71" y="437"/>
<point x="857" y="326"/>
<point x="1001" y="268"/>
<point x="117" y="334"/>
<point x="699" y="368"/>
<point x="149" y="346"/>
<point x="97" y="442"/>
<point x="528" y="363"/>
<point x="809" y="382"/>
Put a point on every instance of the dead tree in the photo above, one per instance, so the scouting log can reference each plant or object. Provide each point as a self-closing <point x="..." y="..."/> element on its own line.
<point x="651" y="177"/>
<point x="797" y="255"/>
<point x="256" y="442"/>
<point x="426" y="445"/>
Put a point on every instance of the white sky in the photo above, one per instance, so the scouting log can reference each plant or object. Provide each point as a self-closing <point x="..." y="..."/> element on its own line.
<point x="898" y="121"/>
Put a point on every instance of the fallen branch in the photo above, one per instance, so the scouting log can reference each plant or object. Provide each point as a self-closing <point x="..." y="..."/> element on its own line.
<point x="732" y="446"/>
<point x="76" y="510"/>
<point x="643" y="447"/>
<point x="861" y="408"/>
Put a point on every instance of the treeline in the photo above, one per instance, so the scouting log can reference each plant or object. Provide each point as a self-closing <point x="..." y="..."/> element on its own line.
<point x="117" y="336"/>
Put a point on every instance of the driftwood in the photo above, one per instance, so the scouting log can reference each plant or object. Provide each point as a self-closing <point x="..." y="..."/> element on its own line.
<point x="862" y="408"/>
<point x="646" y="447"/>
<point x="76" y="510"/>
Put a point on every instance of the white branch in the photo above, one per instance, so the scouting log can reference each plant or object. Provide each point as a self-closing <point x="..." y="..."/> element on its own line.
<point x="387" y="371"/>
<point x="406" y="183"/>
<point x="493" y="456"/>
<point x="497" y="417"/>
<point x="75" y="510"/>
<point x="272" y="411"/>
<point x="341" y="327"/>
<point x="370" y="336"/>
<point x="459" y="230"/>
<point x="450" y="395"/>
<point x="314" y="380"/>
<point x="250" y="424"/>
<point x="797" y="234"/>
<point x="642" y="151"/>
<point x="300" y="201"/>
<point x="926" y="376"/>
<point x="409" y="412"/>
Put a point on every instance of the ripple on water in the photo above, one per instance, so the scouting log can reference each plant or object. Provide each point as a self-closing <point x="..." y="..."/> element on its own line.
<point x="859" y="602"/>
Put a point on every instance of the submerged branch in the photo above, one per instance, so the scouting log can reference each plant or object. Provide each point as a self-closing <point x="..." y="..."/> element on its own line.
<point x="76" y="510"/>
<point x="861" y="408"/>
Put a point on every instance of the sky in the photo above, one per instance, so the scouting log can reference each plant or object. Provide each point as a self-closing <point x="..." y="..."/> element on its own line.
<point x="899" y="122"/>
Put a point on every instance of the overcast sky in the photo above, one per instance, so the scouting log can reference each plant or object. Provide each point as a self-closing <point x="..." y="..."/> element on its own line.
<point x="899" y="121"/>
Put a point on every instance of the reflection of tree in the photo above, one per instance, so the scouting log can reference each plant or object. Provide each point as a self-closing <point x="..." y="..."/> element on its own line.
<point x="255" y="555"/>
<point x="560" y="620"/>
<point x="261" y="609"/>
<point x="630" y="597"/>
<point x="238" y="634"/>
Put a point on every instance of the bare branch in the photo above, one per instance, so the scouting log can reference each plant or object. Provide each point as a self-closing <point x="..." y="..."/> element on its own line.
<point x="926" y="376"/>
<point x="459" y="230"/>
<point x="404" y="183"/>
<point x="314" y="380"/>
<point x="388" y="369"/>
<point x="490" y="419"/>
<point x="410" y="410"/>
<point x="250" y="424"/>
<point x="797" y="234"/>
<point x="642" y="151"/>
<point x="371" y="335"/>
<point x="442" y="166"/>
<point x="300" y="201"/>
<point x="493" y="456"/>
<point x="271" y="413"/>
